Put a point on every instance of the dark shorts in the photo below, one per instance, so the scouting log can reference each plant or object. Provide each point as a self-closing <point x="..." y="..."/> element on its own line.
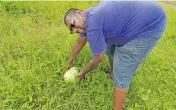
<point x="127" y="58"/>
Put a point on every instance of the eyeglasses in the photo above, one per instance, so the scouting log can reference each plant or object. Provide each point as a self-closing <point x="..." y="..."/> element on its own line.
<point x="72" y="25"/>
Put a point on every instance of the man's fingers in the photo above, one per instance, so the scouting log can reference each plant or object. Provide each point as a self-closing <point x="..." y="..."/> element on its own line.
<point x="81" y="76"/>
<point x="67" y="66"/>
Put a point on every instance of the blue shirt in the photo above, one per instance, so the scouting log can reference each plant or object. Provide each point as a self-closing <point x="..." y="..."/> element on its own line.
<point x="118" y="22"/>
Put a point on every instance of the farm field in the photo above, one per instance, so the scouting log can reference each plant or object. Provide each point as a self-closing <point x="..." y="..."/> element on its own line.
<point x="34" y="47"/>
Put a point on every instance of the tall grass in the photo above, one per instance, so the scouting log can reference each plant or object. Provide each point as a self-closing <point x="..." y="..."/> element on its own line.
<point x="34" y="46"/>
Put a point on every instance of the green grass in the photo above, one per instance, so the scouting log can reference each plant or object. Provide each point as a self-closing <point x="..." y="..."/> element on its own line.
<point x="34" y="46"/>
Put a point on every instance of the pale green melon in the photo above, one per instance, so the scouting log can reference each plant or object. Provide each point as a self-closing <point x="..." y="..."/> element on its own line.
<point x="71" y="75"/>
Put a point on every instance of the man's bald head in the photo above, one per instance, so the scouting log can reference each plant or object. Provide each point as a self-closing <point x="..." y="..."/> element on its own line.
<point x="75" y="20"/>
<point x="71" y="13"/>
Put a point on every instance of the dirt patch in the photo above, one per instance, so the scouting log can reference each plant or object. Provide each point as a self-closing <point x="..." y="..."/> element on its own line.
<point x="173" y="3"/>
<point x="168" y="4"/>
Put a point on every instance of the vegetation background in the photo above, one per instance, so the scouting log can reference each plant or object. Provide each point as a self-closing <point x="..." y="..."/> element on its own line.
<point x="34" y="46"/>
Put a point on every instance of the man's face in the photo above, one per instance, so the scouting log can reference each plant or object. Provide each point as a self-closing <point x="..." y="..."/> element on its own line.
<point x="76" y="24"/>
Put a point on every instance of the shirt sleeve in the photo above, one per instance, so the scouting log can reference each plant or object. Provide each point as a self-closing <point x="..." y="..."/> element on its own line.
<point x="96" y="41"/>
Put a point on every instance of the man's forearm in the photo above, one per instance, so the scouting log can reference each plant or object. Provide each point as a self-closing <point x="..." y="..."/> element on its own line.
<point x="79" y="44"/>
<point x="93" y="63"/>
<point x="75" y="51"/>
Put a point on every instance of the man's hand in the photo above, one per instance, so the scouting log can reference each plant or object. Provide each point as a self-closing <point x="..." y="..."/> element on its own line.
<point x="68" y="66"/>
<point x="81" y="75"/>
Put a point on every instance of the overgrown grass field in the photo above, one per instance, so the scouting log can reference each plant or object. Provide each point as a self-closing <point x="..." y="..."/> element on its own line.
<point x="34" y="47"/>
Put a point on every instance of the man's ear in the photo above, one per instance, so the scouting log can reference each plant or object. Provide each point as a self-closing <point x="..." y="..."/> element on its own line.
<point x="79" y="13"/>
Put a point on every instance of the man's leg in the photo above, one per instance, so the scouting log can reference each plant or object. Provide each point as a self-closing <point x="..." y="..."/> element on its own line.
<point x="119" y="98"/>
<point x="111" y="63"/>
<point x="110" y="73"/>
<point x="109" y="51"/>
<point x="125" y="62"/>
<point x="123" y="69"/>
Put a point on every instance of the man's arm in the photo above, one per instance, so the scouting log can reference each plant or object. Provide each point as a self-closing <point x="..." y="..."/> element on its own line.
<point x="91" y="65"/>
<point x="79" y="44"/>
